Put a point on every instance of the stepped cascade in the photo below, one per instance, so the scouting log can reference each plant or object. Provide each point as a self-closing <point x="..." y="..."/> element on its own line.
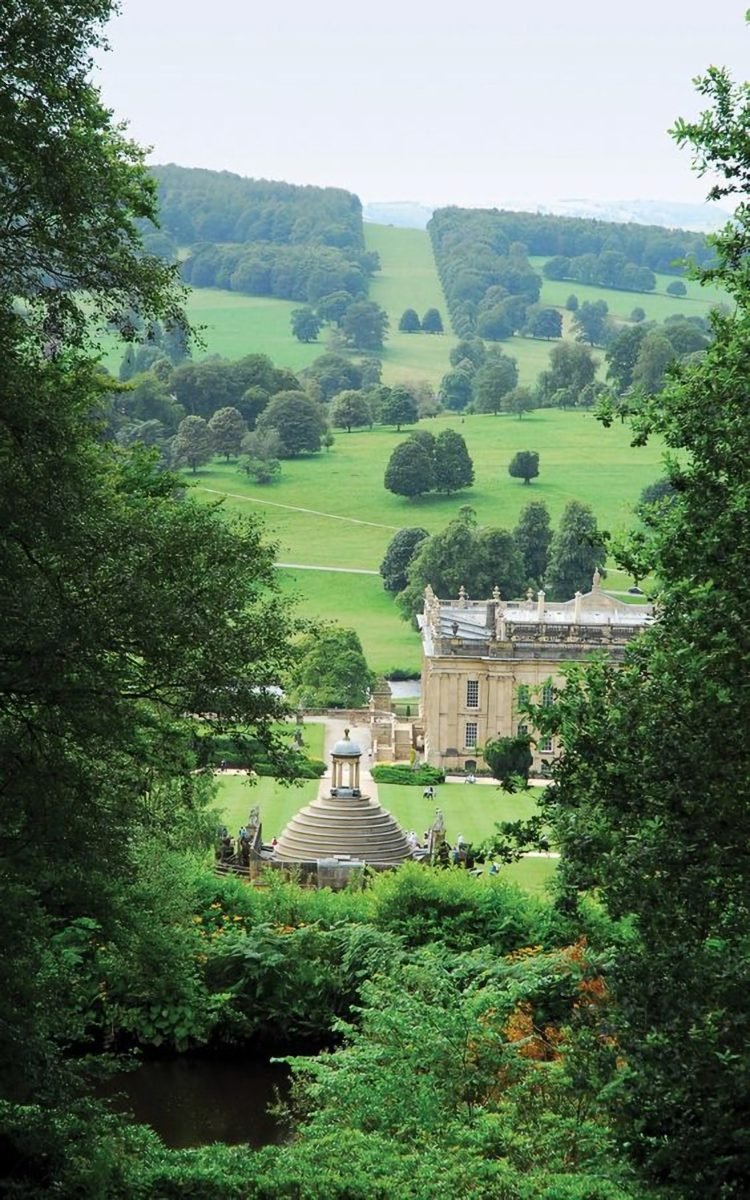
<point x="344" y="823"/>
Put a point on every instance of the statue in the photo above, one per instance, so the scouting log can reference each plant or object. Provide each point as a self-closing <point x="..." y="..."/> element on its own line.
<point x="438" y="825"/>
<point x="253" y="820"/>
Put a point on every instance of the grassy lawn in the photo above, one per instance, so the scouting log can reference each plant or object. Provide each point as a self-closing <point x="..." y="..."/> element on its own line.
<point x="358" y="602"/>
<point x="345" y="517"/>
<point x="471" y="811"/>
<point x="278" y="802"/>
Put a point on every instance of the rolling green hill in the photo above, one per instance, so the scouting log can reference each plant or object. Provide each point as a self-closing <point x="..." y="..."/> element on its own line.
<point x="321" y="520"/>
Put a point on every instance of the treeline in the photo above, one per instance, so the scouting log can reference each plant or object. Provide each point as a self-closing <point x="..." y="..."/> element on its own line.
<point x="544" y="234"/>
<point x="196" y="205"/>
<point x="260" y="237"/>
<point x="482" y="257"/>
<point x="480" y="558"/>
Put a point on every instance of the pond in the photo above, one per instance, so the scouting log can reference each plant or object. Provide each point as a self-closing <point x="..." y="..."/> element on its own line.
<point x="193" y="1102"/>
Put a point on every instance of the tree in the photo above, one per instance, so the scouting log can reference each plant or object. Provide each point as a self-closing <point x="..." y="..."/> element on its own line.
<point x="128" y="606"/>
<point x="462" y="555"/>
<point x="519" y="401"/>
<point x="299" y="421"/>
<point x="451" y="462"/>
<point x="410" y="322"/>
<point x="432" y="322"/>
<point x="333" y="306"/>
<point x="493" y="381"/>
<point x="509" y="759"/>
<point x="532" y="536"/>
<point x="228" y="427"/>
<point x="676" y="288"/>
<point x="545" y="323"/>
<point x="577" y="550"/>
<point x="349" y="410"/>
<point x="398" y="408"/>
<point x="333" y="373"/>
<point x="306" y="324"/>
<point x="410" y="471"/>
<point x="524" y="465"/>
<point x="590" y="322"/>
<point x="571" y="366"/>
<point x="654" y="356"/>
<point x="401" y="550"/>
<point x="74" y="188"/>
<point x="364" y="325"/>
<point x="571" y="303"/>
<point x="331" y="670"/>
<point x="456" y="390"/>
<point x="262" y="451"/>
<point x="193" y="443"/>
<point x="638" y="314"/>
<point x="622" y="355"/>
<point x="469" y="351"/>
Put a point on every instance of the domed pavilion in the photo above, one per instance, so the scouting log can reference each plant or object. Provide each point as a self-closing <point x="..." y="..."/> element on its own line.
<point x="345" y="824"/>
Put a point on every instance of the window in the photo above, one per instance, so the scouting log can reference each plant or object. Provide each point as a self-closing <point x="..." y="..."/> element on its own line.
<point x="548" y="695"/>
<point x="470" y="739"/>
<point x="523" y="729"/>
<point x="472" y="693"/>
<point x="545" y="745"/>
<point x="524" y="695"/>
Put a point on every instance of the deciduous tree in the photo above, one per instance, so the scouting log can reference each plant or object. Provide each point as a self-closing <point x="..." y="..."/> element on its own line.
<point x="306" y="324"/>
<point x="299" y="421"/>
<point x="432" y="322"/>
<point x="410" y="322"/>
<point x="577" y="550"/>
<point x="193" y="443"/>
<point x="524" y="465"/>
<point x="532" y="536"/>
<point x="410" y="471"/>
<point x="401" y="550"/>
<point x="451" y="462"/>
<point x="228" y="427"/>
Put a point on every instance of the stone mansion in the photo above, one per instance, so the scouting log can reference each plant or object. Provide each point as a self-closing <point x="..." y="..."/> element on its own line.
<point x="478" y="655"/>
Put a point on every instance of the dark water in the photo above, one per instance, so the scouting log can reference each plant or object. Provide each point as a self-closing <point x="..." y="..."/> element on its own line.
<point x="192" y="1102"/>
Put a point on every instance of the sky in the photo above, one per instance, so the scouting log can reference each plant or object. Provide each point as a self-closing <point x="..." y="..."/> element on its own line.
<point x="487" y="103"/>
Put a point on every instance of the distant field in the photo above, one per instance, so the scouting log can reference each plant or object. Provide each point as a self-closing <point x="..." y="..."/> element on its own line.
<point x="408" y="279"/>
<point x="578" y="460"/>
<point x="657" y="305"/>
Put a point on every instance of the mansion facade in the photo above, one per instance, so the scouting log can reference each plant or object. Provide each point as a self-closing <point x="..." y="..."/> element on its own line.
<point x="478" y="656"/>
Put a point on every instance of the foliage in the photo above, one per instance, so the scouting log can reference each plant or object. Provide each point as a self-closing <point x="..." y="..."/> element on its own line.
<point x="398" y="407"/>
<point x="524" y="465"/>
<point x="589" y="322"/>
<point x="577" y="550"/>
<point x="409" y="322"/>
<point x="451" y="462"/>
<point x="572" y="366"/>
<point x="410" y="471"/>
<point x="509" y="759"/>
<point x="298" y="421"/>
<point x="306" y="324"/>
<point x="401" y="550"/>
<point x="193" y="443"/>
<point x="228" y="428"/>
<point x="330" y="670"/>
<point x="350" y="410"/>
<point x="432" y="322"/>
<point x="493" y="380"/>
<point x="456" y="389"/>
<point x="645" y="808"/>
<point x="676" y="288"/>
<point x="364" y="325"/>
<point x="532" y="536"/>
<point x="420" y="776"/>
<point x="463" y="555"/>
<point x="203" y="387"/>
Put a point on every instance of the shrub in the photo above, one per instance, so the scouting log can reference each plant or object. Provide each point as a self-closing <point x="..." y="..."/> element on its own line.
<point x="421" y="776"/>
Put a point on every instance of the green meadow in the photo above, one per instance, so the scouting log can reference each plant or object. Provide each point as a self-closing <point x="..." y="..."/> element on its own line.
<point x="331" y="509"/>
<point x="469" y="811"/>
<point x="657" y="305"/>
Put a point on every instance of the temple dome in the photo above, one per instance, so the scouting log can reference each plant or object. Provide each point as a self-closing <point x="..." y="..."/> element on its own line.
<point x="346" y="748"/>
<point x="344" y="824"/>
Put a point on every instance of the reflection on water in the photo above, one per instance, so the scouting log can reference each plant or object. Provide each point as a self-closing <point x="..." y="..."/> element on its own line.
<point x="192" y="1102"/>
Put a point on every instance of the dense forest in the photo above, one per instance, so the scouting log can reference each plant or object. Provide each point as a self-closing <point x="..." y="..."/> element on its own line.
<point x="476" y="1042"/>
<point x="482" y="259"/>
<point x="260" y="237"/>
